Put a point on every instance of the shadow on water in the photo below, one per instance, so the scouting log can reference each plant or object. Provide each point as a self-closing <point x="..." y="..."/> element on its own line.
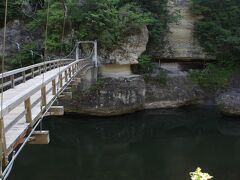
<point x="148" y="145"/>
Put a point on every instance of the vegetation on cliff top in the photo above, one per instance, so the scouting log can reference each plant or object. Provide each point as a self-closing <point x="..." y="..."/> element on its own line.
<point x="218" y="31"/>
<point x="107" y="21"/>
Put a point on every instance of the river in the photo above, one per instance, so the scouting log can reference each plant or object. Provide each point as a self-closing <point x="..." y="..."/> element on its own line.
<point x="148" y="145"/>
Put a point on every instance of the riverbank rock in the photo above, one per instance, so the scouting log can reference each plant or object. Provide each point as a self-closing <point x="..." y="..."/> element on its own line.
<point x="108" y="97"/>
<point x="175" y="92"/>
<point x="229" y="102"/>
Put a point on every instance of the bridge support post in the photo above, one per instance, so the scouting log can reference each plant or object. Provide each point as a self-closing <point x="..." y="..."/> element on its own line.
<point x="77" y="51"/>
<point x="54" y="89"/>
<point x="66" y="76"/>
<point x="28" y="111"/>
<point x="95" y="54"/>
<point x="44" y="96"/>
<point x="39" y="70"/>
<point x="60" y="79"/>
<point x="12" y="81"/>
<point x="3" y="151"/>
<point x="73" y="68"/>
<point x="32" y="71"/>
<point x="24" y="76"/>
<point x="70" y="72"/>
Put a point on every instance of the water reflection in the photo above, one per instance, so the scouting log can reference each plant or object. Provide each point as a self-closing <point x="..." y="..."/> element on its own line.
<point x="151" y="145"/>
<point x="229" y="126"/>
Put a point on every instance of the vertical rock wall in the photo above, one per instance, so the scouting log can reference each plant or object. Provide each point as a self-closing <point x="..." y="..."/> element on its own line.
<point x="180" y="42"/>
<point x="17" y="37"/>
<point x="108" y="97"/>
<point x="116" y="63"/>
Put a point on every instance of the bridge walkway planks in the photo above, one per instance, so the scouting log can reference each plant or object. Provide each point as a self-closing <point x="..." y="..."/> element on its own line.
<point x="15" y="120"/>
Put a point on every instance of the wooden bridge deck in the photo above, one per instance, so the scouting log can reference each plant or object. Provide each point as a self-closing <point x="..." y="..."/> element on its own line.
<point x="15" y="122"/>
<point x="24" y="104"/>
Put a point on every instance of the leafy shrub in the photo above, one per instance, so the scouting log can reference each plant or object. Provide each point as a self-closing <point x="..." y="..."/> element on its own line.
<point x="218" y="29"/>
<point x="145" y="64"/>
<point x="199" y="175"/>
<point x="107" y="21"/>
<point x="162" y="77"/>
<point x="25" y="57"/>
<point x="214" y="76"/>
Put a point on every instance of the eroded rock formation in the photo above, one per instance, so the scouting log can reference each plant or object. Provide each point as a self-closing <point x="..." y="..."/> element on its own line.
<point x="117" y="91"/>
<point x="117" y="62"/>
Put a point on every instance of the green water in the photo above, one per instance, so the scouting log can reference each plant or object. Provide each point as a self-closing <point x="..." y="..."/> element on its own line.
<point x="150" y="145"/>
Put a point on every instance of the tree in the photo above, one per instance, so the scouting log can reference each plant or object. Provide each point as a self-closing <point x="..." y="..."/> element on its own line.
<point x="219" y="29"/>
<point x="13" y="11"/>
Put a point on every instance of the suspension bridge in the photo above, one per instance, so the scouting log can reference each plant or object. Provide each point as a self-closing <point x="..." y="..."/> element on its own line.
<point x="28" y="94"/>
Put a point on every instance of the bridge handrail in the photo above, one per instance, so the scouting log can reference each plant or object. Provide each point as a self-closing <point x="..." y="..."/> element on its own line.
<point x="11" y="78"/>
<point x="15" y="101"/>
<point x="16" y="71"/>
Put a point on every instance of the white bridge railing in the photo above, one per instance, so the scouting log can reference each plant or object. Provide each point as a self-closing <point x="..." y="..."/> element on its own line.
<point x="14" y="77"/>
<point x="27" y="96"/>
<point x="25" y="105"/>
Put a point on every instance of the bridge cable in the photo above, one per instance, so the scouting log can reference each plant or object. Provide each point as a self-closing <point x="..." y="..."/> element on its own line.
<point x="62" y="39"/>
<point x="45" y="54"/>
<point x="2" y="86"/>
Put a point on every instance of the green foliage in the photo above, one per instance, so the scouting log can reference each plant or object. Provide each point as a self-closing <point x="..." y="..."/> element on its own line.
<point x="146" y="68"/>
<point x="145" y="64"/>
<point x="214" y="76"/>
<point x="199" y="175"/>
<point x="24" y="57"/>
<point x="104" y="21"/>
<point x="219" y="28"/>
<point x="162" y="77"/>
<point x="161" y="16"/>
<point x="13" y="11"/>
<point x="54" y="28"/>
<point x="107" y="21"/>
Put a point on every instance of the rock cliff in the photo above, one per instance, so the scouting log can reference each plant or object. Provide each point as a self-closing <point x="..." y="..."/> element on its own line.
<point x="180" y="42"/>
<point x="117" y="62"/>
<point x="129" y="49"/>
<point x="17" y="36"/>
<point x="108" y="97"/>
<point x="117" y="96"/>
<point x="177" y="91"/>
